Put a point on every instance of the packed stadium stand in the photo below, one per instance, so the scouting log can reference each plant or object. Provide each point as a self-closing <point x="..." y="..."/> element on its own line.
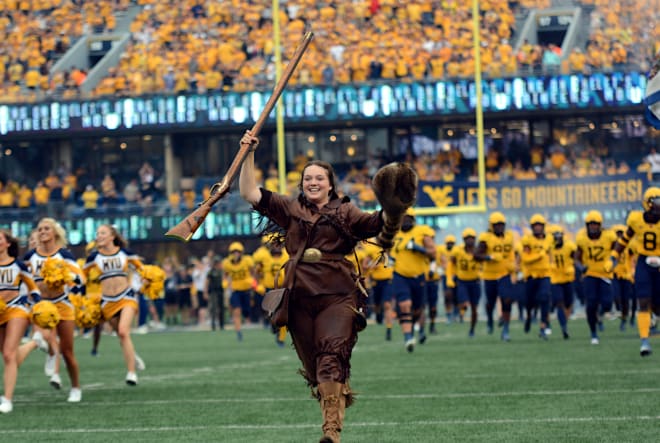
<point x="194" y="46"/>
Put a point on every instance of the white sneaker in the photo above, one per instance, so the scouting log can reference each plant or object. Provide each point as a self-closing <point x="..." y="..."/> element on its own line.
<point x="6" y="406"/>
<point x="548" y="331"/>
<point x="144" y="329"/>
<point x="41" y="342"/>
<point x="595" y="341"/>
<point x="75" y="395"/>
<point x="131" y="378"/>
<point x="139" y="363"/>
<point x="160" y="326"/>
<point x="49" y="367"/>
<point x="56" y="381"/>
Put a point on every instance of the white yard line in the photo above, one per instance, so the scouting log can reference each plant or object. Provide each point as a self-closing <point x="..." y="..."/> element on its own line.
<point x="376" y="424"/>
<point x="367" y="397"/>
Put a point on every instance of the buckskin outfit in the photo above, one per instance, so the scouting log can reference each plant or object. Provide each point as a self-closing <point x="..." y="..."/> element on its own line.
<point x="325" y="291"/>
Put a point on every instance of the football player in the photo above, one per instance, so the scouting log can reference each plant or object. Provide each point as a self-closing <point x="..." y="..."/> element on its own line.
<point x="441" y="262"/>
<point x="413" y="250"/>
<point x="536" y="257"/>
<point x="644" y="226"/>
<point x="594" y="245"/>
<point x="496" y="250"/>
<point x="562" y="276"/>
<point x="622" y="283"/>
<point x="463" y="274"/>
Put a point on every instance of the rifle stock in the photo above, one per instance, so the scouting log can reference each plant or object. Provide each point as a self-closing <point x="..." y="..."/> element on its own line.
<point x="187" y="227"/>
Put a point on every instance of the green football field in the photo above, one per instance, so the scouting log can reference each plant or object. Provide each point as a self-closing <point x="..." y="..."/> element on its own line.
<point x="208" y="387"/>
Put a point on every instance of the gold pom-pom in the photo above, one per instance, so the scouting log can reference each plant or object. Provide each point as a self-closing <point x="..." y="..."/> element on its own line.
<point x="76" y="300"/>
<point x="93" y="275"/>
<point x="56" y="273"/>
<point x="88" y="313"/>
<point x="45" y="314"/>
<point x="94" y="298"/>
<point x="153" y="281"/>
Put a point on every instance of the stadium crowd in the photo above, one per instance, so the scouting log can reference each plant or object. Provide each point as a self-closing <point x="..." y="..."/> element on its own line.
<point x="195" y="46"/>
<point x="63" y="191"/>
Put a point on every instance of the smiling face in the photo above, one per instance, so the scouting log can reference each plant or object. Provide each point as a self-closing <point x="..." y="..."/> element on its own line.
<point x="104" y="237"/>
<point x="316" y="184"/>
<point x="45" y="232"/>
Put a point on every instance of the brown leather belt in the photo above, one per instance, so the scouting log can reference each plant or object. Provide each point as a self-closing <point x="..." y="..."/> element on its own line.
<point x="313" y="255"/>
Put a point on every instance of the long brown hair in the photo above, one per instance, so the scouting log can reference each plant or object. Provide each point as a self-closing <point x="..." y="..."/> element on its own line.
<point x="118" y="240"/>
<point x="331" y="176"/>
<point x="12" y="249"/>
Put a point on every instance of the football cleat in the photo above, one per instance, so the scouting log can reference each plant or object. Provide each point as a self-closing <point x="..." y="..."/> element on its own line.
<point x="506" y="337"/>
<point x="595" y="341"/>
<point x="410" y="344"/>
<point x="422" y="338"/>
<point x="388" y="334"/>
<point x="566" y="336"/>
<point x="645" y="349"/>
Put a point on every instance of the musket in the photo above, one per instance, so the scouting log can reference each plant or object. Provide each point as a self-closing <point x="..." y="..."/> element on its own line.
<point x="187" y="227"/>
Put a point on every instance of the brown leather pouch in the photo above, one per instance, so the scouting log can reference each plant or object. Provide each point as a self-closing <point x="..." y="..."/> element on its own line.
<point x="276" y="306"/>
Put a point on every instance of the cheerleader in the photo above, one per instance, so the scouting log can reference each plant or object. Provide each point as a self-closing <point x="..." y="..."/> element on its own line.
<point x="14" y="316"/>
<point x="56" y="286"/>
<point x="119" y="301"/>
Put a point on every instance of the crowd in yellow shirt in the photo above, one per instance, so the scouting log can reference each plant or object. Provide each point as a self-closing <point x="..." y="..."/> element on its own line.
<point x="185" y="46"/>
